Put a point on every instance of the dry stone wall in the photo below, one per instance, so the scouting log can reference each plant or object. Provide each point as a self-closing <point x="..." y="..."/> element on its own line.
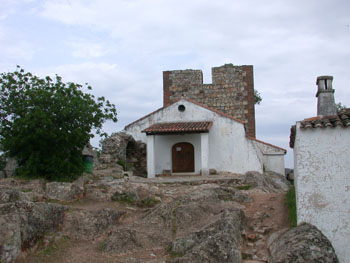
<point x="231" y="92"/>
<point x="122" y="147"/>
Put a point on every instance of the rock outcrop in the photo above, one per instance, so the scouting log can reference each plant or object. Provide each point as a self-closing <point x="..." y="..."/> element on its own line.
<point x="8" y="195"/>
<point x="86" y="225"/>
<point x="218" y="242"/>
<point x="64" y="191"/>
<point x="304" y="243"/>
<point x="23" y="223"/>
<point x="268" y="182"/>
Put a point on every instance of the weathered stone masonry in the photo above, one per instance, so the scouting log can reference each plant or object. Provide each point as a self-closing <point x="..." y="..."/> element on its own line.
<point x="231" y="91"/>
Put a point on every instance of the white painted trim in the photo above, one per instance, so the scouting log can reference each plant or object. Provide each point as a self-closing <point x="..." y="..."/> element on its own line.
<point x="205" y="153"/>
<point x="150" y="157"/>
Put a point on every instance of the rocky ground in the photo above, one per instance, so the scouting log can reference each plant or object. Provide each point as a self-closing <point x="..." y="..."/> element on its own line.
<point x="222" y="218"/>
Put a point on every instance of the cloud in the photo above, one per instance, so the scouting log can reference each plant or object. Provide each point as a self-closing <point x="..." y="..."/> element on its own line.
<point x="85" y="48"/>
<point x="121" y="48"/>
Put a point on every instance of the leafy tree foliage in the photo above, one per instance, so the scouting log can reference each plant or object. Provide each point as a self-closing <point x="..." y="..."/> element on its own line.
<point x="340" y="106"/>
<point x="46" y="123"/>
<point x="257" y="97"/>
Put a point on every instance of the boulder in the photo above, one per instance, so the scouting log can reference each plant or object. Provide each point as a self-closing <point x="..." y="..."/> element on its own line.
<point x="64" y="191"/>
<point x="218" y="242"/>
<point x="10" y="167"/>
<point x="212" y="192"/>
<point x="269" y="182"/>
<point x="127" y="240"/>
<point x="12" y="189"/>
<point x="8" y="195"/>
<point x="88" y="225"/>
<point x="23" y="223"/>
<point x="304" y="243"/>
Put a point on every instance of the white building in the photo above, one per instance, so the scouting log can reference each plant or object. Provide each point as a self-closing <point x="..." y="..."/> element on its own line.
<point x="189" y="137"/>
<point x="322" y="169"/>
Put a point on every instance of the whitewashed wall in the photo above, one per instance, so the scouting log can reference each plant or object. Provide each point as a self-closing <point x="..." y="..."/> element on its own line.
<point x="322" y="179"/>
<point x="229" y="148"/>
<point x="271" y="157"/>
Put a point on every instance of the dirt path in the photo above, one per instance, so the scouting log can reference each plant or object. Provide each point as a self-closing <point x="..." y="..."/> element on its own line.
<point x="265" y="215"/>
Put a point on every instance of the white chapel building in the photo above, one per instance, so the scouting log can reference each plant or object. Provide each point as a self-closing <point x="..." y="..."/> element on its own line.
<point x="206" y="126"/>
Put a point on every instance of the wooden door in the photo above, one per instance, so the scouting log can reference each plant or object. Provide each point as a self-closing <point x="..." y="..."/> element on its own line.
<point x="183" y="157"/>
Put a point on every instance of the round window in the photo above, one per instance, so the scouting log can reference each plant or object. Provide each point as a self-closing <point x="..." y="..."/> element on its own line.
<point x="181" y="108"/>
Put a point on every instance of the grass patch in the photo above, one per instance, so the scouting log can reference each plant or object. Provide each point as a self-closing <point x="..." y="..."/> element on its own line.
<point x="102" y="246"/>
<point x="244" y="256"/>
<point x="126" y="166"/>
<point x="174" y="219"/>
<point x="132" y="199"/>
<point x="26" y="190"/>
<point x="125" y="197"/>
<point x="147" y="202"/>
<point x="48" y="253"/>
<point x="244" y="187"/>
<point x="292" y="207"/>
<point x="174" y="254"/>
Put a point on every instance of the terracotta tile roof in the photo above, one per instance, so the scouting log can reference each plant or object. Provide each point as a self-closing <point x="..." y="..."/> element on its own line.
<point x="341" y="119"/>
<point x="179" y="127"/>
<point x="194" y="102"/>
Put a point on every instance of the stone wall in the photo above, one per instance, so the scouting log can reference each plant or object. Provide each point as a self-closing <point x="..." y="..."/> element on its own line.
<point x="122" y="147"/>
<point x="231" y="91"/>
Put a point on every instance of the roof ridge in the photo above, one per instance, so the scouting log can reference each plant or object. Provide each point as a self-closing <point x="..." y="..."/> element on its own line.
<point x="214" y="110"/>
<point x="269" y="144"/>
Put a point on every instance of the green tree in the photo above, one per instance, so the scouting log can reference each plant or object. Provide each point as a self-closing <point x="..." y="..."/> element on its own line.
<point x="340" y="106"/>
<point x="46" y="123"/>
<point x="257" y="97"/>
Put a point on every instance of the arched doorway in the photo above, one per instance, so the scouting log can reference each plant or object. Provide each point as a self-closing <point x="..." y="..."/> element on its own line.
<point x="183" y="158"/>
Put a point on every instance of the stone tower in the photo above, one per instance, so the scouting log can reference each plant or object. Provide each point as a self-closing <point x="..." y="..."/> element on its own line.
<point x="325" y="96"/>
<point x="231" y="91"/>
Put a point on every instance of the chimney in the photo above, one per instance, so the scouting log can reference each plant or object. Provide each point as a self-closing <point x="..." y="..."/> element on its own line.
<point x="325" y="94"/>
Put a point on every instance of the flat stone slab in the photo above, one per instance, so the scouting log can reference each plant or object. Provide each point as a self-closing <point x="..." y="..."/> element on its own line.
<point x="187" y="179"/>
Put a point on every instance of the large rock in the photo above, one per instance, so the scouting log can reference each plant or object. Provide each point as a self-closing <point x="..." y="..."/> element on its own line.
<point x="268" y="182"/>
<point x="23" y="223"/>
<point x="11" y="166"/>
<point x="302" y="244"/>
<point x="64" y="191"/>
<point x="12" y="189"/>
<point x="88" y="225"/>
<point x="126" y="240"/>
<point x="218" y="242"/>
<point x="212" y="192"/>
<point x="11" y="195"/>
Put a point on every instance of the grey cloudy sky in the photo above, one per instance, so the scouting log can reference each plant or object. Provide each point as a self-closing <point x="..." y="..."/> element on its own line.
<point x="121" y="47"/>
